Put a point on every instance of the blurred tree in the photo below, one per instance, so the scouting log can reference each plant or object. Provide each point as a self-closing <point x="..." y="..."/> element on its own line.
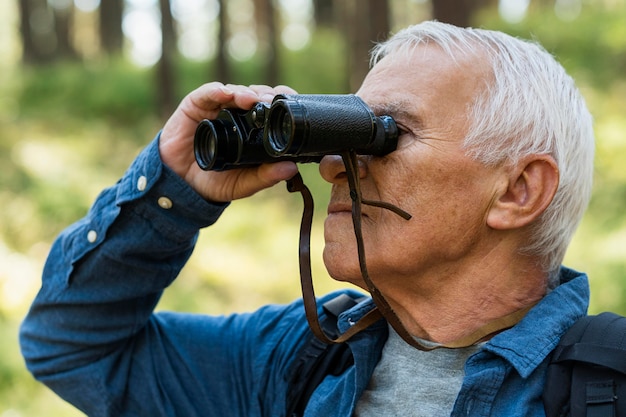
<point x="63" y="13"/>
<point x="166" y="96"/>
<point x="269" y="38"/>
<point x="456" y="12"/>
<point x="459" y="12"/>
<point x="44" y="32"/>
<point x="111" y="35"/>
<point x="363" y="24"/>
<point x="30" y="52"/>
<point x="324" y="12"/>
<point x="221" y="58"/>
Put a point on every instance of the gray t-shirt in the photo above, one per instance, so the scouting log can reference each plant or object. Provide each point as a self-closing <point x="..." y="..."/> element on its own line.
<point x="410" y="382"/>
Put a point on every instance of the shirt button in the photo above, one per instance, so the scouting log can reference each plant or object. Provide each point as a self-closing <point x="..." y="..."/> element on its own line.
<point x="92" y="236"/>
<point x="141" y="183"/>
<point x="165" y="203"/>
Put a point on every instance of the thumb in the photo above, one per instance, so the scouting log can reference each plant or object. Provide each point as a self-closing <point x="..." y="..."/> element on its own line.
<point x="270" y="174"/>
<point x="242" y="183"/>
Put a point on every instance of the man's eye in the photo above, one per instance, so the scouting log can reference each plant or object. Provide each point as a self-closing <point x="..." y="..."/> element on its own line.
<point x="405" y="136"/>
<point x="402" y="131"/>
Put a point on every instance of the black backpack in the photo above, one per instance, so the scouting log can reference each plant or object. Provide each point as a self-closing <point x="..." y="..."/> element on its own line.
<point x="586" y="375"/>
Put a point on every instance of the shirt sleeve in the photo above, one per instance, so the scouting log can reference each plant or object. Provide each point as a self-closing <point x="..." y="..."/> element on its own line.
<point x="91" y="334"/>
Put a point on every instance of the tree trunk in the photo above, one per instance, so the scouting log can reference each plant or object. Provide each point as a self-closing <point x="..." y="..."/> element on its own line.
<point x="166" y="94"/>
<point x="365" y="23"/>
<point x="39" y="41"/>
<point x="223" y="67"/>
<point x="63" y="20"/>
<point x="111" y="35"/>
<point x="269" y="40"/>
<point x="29" y="50"/>
<point x="456" y="12"/>
<point x="324" y="12"/>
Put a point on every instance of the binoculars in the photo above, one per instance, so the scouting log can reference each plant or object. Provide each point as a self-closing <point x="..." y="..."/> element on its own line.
<point x="299" y="128"/>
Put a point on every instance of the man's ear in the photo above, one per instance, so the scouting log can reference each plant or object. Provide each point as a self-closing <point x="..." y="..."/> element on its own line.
<point x="531" y="186"/>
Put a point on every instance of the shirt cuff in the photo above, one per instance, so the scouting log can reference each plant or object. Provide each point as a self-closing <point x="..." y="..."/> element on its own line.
<point x="162" y="197"/>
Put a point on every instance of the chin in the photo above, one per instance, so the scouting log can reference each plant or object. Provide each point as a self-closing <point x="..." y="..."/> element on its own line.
<point x="342" y="268"/>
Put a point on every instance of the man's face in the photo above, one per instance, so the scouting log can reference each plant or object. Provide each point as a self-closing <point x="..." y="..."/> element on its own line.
<point x="429" y="176"/>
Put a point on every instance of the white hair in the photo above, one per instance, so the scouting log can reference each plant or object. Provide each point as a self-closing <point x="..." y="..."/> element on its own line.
<point x="531" y="106"/>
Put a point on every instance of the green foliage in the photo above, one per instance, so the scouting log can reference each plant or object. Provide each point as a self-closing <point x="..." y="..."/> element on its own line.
<point x="319" y="68"/>
<point x="114" y="91"/>
<point x="592" y="47"/>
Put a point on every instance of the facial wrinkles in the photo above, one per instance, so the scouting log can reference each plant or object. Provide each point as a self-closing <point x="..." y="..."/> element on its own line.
<point x="412" y="123"/>
<point x="392" y="178"/>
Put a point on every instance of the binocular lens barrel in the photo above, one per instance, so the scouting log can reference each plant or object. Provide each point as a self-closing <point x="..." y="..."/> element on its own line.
<point x="286" y="126"/>
<point x="300" y="128"/>
<point x="212" y="142"/>
<point x="326" y="124"/>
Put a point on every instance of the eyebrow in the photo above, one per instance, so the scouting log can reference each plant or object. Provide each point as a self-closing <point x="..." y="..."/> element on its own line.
<point x="398" y="110"/>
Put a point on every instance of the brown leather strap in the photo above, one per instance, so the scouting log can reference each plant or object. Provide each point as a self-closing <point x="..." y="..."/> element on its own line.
<point x="352" y="170"/>
<point x="296" y="184"/>
<point x="383" y="309"/>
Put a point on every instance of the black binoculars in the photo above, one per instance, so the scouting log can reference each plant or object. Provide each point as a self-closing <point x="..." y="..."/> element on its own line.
<point x="300" y="128"/>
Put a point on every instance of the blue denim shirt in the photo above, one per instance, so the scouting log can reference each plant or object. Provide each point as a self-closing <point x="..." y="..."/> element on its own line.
<point x="92" y="336"/>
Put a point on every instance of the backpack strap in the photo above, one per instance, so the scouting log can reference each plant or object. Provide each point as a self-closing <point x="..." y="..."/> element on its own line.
<point x="317" y="359"/>
<point x="587" y="373"/>
<point x="592" y="354"/>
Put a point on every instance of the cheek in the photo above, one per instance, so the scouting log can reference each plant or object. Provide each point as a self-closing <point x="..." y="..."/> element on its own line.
<point x="340" y="250"/>
<point x="447" y="216"/>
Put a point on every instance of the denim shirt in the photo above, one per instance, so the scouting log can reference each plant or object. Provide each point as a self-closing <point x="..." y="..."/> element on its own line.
<point x="91" y="334"/>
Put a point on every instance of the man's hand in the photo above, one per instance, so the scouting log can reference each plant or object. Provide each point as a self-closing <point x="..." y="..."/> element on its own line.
<point x="176" y="143"/>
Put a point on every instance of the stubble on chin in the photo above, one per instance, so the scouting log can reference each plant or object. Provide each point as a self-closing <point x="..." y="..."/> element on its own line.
<point x="342" y="264"/>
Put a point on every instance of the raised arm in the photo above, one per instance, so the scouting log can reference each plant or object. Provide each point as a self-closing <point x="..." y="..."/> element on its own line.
<point x="91" y="333"/>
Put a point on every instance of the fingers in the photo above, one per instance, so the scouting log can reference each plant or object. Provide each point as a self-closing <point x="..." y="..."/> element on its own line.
<point x="206" y="101"/>
<point x="224" y="186"/>
<point x="283" y="89"/>
<point x="270" y="174"/>
<point x="211" y="97"/>
<point x="267" y="93"/>
<point x="177" y="138"/>
<point x="262" y="177"/>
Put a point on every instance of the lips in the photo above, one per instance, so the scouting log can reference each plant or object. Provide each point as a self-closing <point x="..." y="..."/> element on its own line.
<point x="339" y="207"/>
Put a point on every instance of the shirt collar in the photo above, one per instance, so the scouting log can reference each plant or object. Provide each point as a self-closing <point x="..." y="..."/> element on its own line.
<point x="528" y="343"/>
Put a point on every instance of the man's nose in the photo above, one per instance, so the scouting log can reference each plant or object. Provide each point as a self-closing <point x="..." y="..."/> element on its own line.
<point x="333" y="169"/>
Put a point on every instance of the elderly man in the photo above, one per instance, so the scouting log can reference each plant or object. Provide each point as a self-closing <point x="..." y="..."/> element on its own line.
<point x="494" y="164"/>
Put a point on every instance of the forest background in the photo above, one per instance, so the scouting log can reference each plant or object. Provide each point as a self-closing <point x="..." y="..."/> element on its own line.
<point x="84" y="85"/>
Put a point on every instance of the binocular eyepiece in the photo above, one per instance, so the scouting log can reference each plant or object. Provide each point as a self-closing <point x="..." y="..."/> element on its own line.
<point x="300" y="128"/>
